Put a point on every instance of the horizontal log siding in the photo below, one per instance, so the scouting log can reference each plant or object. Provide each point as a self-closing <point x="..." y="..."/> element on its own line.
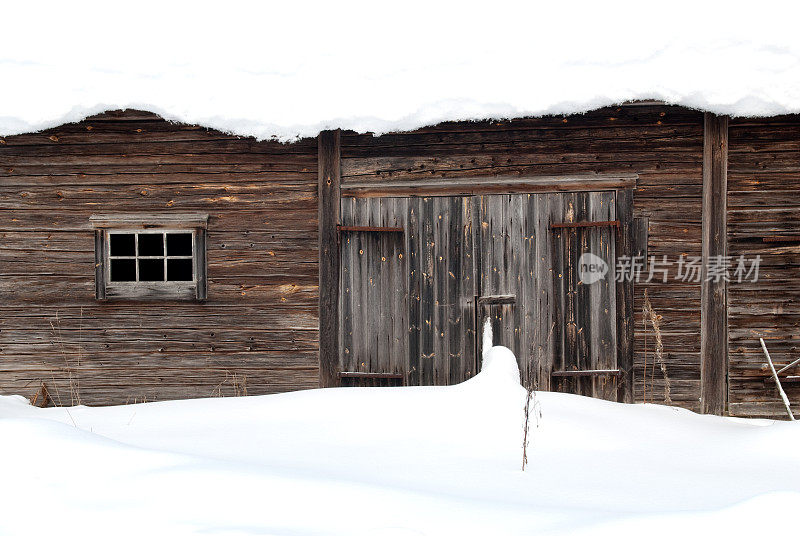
<point x="664" y="145"/>
<point x="763" y="202"/>
<point x="258" y="330"/>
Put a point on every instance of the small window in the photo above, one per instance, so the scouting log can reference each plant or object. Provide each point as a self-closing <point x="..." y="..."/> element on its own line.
<point x="150" y="258"/>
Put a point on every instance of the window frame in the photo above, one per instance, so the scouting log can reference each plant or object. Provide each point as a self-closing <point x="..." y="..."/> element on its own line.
<point x="107" y="224"/>
<point x="136" y="256"/>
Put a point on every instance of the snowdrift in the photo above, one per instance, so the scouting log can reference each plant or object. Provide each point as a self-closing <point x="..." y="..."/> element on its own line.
<point x="408" y="460"/>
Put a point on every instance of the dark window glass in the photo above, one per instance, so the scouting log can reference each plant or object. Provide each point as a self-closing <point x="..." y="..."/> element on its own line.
<point x="122" y="245"/>
<point x="151" y="245"/>
<point x="179" y="244"/>
<point x="179" y="269"/>
<point x="150" y="269"/>
<point x="123" y="270"/>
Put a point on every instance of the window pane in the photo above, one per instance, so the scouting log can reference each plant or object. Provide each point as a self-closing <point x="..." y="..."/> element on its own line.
<point x="151" y="245"/>
<point x="123" y="270"/>
<point x="179" y="269"/>
<point x="150" y="269"/>
<point x="179" y="244"/>
<point x="122" y="245"/>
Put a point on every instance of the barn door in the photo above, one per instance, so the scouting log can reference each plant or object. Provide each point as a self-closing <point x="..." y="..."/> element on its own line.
<point x="514" y="267"/>
<point x="373" y="333"/>
<point x="546" y="268"/>
<point x="419" y="276"/>
<point x="406" y="291"/>
<point x="584" y="307"/>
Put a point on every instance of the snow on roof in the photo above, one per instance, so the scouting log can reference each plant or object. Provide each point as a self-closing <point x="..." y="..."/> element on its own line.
<point x="290" y="69"/>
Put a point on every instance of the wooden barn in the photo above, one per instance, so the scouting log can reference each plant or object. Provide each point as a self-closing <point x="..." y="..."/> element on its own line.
<point x="634" y="253"/>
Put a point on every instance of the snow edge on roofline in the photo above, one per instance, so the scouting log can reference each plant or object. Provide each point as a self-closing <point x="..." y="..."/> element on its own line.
<point x="436" y="113"/>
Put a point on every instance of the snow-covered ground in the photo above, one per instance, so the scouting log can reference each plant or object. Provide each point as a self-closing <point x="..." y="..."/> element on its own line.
<point x="394" y="461"/>
<point x="292" y="68"/>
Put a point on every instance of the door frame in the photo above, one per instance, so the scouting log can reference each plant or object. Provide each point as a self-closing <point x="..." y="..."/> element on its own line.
<point x="331" y="189"/>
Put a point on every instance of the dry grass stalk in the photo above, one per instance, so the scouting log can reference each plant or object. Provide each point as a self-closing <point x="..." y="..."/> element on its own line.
<point x="41" y="398"/>
<point x="74" y="385"/>
<point x="238" y="385"/>
<point x="655" y="320"/>
<point x="531" y="404"/>
<point x="527" y="426"/>
<point x="531" y="407"/>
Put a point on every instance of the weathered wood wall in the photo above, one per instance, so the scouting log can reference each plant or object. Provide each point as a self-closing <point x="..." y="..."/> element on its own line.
<point x="764" y="219"/>
<point x="664" y="145"/>
<point x="258" y="330"/>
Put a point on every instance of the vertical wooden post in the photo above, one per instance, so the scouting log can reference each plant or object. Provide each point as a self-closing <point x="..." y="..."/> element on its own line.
<point x="330" y="171"/>
<point x="713" y="289"/>
<point x="625" y="248"/>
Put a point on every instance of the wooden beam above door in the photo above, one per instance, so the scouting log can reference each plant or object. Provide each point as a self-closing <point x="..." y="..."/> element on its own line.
<point x="500" y="184"/>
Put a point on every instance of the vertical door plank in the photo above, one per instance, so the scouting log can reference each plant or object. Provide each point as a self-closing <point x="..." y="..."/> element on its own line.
<point x="483" y="252"/>
<point x="544" y="336"/>
<point x="583" y="315"/>
<point x="528" y="289"/>
<point x="514" y="248"/>
<point x="500" y="224"/>
<point x="366" y="254"/>
<point x="529" y="292"/>
<point x="602" y="298"/>
<point x="346" y="295"/>
<point x="415" y="277"/>
<point x="559" y="247"/>
<point x="427" y="290"/>
<point x="570" y="293"/>
<point x="455" y="267"/>
<point x="398" y="283"/>
<point x="478" y="262"/>
<point x="380" y="307"/>
<point x="441" y="301"/>
<point x="469" y="288"/>
<point x="361" y="291"/>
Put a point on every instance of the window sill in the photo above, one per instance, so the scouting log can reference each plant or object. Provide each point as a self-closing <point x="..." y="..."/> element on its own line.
<point x="157" y="291"/>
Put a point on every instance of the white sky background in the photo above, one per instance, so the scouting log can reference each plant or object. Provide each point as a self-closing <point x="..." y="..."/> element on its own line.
<point x="293" y="68"/>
